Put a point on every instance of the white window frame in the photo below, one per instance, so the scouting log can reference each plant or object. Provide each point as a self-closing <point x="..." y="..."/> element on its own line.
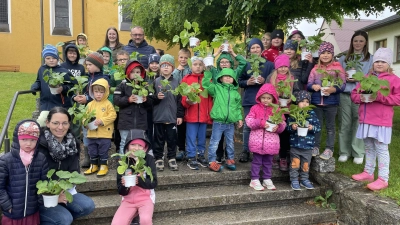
<point x="9" y="17"/>
<point x="120" y="20"/>
<point x="52" y="17"/>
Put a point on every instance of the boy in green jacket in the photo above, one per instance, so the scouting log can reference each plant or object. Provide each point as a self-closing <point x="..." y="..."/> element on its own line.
<point x="225" y="112"/>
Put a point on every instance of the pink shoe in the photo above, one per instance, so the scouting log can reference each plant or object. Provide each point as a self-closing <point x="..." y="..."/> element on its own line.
<point x="364" y="176"/>
<point x="377" y="185"/>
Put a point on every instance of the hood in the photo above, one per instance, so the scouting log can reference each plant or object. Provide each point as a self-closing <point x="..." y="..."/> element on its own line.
<point x="225" y="56"/>
<point x="102" y="82"/>
<point x="77" y="52"/>
<point x="106" y="49"/>
<point x="229" y="72"/>
<point x="267" y="89"/>
<point x="82" y="34"/>
<point x="137" y="134"/>
<point x="15" y="147"/>
<point x="133" y="64"/>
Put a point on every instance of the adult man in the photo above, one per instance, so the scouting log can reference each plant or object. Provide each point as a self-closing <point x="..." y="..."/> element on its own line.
<point x="138" y="44"/>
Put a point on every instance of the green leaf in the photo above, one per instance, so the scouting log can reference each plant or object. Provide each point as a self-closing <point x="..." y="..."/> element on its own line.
<point x="63" y="174"/>
<point x="50" y="173"/>
<point x="385" y="91"/>
<point x="68" y="196"/>
<point x="328" y="194"/>
<point x="319" y="199"/>
<point x="332" y="205"/>
<point x="175" y="39"/>
<point x="324" y="204"/>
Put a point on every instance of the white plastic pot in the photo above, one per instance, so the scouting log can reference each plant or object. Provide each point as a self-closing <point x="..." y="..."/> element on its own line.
<point x="322" y="93"/>
<point x="82" y="61"/>
<point x="271" y="126"/>
<point x="256" y="81"/>
<point x="367" y="96"/>
<point x="91" y="126"/>
<point x="351" y="73"/>
<point x="53" y="90"/>
<point x="50" y="200"/>
<point x="315" y="54"/>
<point x="303" y="55"/>
<point x="226" y="47"/>
<point x="283" y="102"/>
<point x="302" y="131"/>
<point x="139" y="99"/>
<point x="130" y="180"/>
<point x="208" y="61"/>
<point x="193" y="41"/>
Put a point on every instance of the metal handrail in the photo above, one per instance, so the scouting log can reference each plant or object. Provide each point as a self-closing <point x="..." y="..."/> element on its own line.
<point x="4" y="133"/>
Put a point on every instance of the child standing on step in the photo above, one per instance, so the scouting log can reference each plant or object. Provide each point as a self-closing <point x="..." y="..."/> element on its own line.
<point x="375" y="121"/>
<point x="262" y="143"/>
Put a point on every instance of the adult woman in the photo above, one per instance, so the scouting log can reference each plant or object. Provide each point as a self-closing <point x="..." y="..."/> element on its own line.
<point x="112" y="42"/>
<point x="266" y="40"/>
<point x="349" y="145"/>
<point x="61" y="149"/>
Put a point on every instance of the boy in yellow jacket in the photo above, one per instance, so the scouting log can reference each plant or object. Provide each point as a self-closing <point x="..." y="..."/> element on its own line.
<point x="99" y="139"/>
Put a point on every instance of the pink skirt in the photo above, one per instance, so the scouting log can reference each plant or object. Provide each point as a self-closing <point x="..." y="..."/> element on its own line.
<point x="33" y="219"/>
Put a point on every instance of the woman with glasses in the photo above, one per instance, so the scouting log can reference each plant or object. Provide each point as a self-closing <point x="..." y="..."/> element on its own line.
<point x="62" y="150"/>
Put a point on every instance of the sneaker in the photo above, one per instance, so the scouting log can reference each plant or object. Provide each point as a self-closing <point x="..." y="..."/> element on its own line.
<point x="358" y="160"/>
<point x="283" y="166"/>
<point x="180" y="156"/>
<point x="307" y="184"/>
<point x="256" y="185"/>
<point x="315" y="151"/>
<point x="244" y="157"/>
<point x="343" y="158"/>
<point x="172" y="165"/>
<point x="202" y="161"/>
<point x="220" y="160"/>
<point x="268" y="184"/>
<point x="230" y="164"/>
<point x="377" y="185"/>
<point x="327" y="154"/>
<point x="275" y="163"/>
<point x="295" y="185"/>
<point x="364" y="176"/>
<point x="214" y="166"/>
<point x="160" y="165"/>
<point x="192" y="164"/>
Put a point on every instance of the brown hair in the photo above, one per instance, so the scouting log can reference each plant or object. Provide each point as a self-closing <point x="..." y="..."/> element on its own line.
<point x="121" y="52"/>
<point x="186" y="51"/>
<point x="365" y="51"/>
<point x="107" y="42"/>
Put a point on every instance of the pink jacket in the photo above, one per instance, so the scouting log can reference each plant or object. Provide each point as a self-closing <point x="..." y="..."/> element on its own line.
<point x="262" y="141"/>
<point x="380" y="112"/>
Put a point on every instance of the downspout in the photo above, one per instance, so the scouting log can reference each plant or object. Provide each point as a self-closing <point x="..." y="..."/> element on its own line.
<point x="83" y="16"/>
<point x="41" y="29"/>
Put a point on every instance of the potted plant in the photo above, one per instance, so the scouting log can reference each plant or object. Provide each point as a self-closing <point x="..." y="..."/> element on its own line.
<point x="119" y="73"/>
<point x="285" y="92"/>
<point x="81" y="83"/>
<point x="54" y="79"/>
<point x="223" y="37"/>
<point x="138" y="167"/>
<point x="81" y="116"/>
<point x="329" y="79"/>
<point x="205" y="52"/>
<point x="140" y="88"/>
<point x="82" y="53"/>
<point x="51" y="189"/>
<point x="255" y="61"/>
<point x="370" y="85"/>
<point x="165" y="86"/>
<point x="276" y="118"/>
<point x="300" y="116"/>
<point x="310" y="45"/>
<point x="191" y="91"/>
<point x="185" y="36"/>
<point x="353" y="65"/>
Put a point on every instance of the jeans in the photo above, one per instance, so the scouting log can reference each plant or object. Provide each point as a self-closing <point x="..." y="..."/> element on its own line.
<point x="195" y="131"/>
<point x="66" y="213"/>
<point x="329" y="112"/>
<point x="218" y="129"/>
<point x="124" y="134"/>
<point x="246" y="130"/>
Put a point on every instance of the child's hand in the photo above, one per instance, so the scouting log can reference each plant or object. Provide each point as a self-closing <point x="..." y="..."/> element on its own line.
<point x="59" y="90"/>
<point x="62" y="198"/>
<point x="190" y="102"/>
<point x="179" y="121"/>
<point x="81" y="99"/>
<point x="316" y="87"/>
<point x="123" y="181"/>
<point x="180" y="67"/>
<point x="260" y="79"/>
<point x="132" y="99"/>
<point x="144" y="98"/>
<point x="240" y="123"/>
<point x="294" y="126"/>
<point x="309" y="57"/>
<point x="329" y="90"/>
<point x="251" y="81"/>
<point x="310" y="127"/>
<point x="275" y="129"/>
<point x="266" y="125"/>
<point x="98" y="122"/>
<point x="160" y="95"/>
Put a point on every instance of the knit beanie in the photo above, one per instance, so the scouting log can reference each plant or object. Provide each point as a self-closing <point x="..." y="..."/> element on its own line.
<point x="384" y="54"/>
<point x="28" y="130"/>
<point x="195" y="58"/>
<point x="326" y="47"/>
<point x="301" y="95"/>
<point x="96" y="58"/>
<point x="290" y="44"/>
<point x="167" y="58"/>
<point x="154" y="58"/>
<point x="50" y="50"/>
<point x="282" y="60"/>
<point x="254" y="41"/>
<point x="278" y="33"/>
<point x="297" y="32"/>
<point x="139" y="142"/>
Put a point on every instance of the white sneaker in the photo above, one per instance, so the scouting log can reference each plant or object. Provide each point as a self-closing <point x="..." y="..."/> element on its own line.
<point x="268" y="184"/>
<point x="256" y="185"/>
<point x="358" y="160"/>
<point x="343" y="158"/>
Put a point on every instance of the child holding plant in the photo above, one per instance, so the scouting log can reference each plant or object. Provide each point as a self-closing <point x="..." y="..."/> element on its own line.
<point x="154" y="67"/>
<point x="82" y="42"/>
<point x="138" y="199"/>
<point x="262" y="143"/>
<point x="132" y="112"/>
<point x="108" y="61"/>
<point x="375" y="120"/>
<point x="23" y="166"/>
<point x="300" y="146"/>
<point x="72" y="56"/>
<point x="326" y="99"/>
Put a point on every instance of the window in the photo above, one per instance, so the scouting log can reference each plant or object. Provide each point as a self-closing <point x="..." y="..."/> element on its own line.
<point x="398" y="49"/>
<point x="61" y="18"/>
<point x="380" y="44"/>
<point x="5" y="15"/>
<point x="125" y="19"/>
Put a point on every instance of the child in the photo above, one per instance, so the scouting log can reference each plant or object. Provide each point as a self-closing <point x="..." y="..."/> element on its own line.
<point x="167" y="113"/>
<point x="376" y="120"/>
<point x="82" y="41"/>
<point x="20" y="170"/>
<point x="108" y="61"/>
<point x="99" y="140"/>
<point x="301" y="147"/>
<point x="276" y="47"/>
<point x="154" y="66"/>
<point x="262" y="143"/>
<point x="225" y="112"/>
<point x="133" y="115"/>
<point x="327" y="105"/>
<point x="139" y="199"/>
<point x="197" y="116"/>
<point x="71" y="56"/>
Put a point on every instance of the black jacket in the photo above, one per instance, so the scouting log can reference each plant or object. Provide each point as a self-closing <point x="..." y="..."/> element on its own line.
<point x="75" y="68"/>
<point x="301" y="74"/>
<point x="18" y="183"/>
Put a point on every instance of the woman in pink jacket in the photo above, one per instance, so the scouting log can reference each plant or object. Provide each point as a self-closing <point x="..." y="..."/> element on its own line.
<point x="375" y="116"/>
<point x="262" y="143"/>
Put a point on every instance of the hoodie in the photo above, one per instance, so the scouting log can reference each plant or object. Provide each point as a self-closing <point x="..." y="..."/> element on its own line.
<point x="262" y="141"/>
<point x="239" y="69"/>
<point x="108" y="68"/>
<point x="226" y="108"/>
<point x="86" y="50"/>
<point x="104" y="112"/>
<point x="75" y="68"/>
<point x="144" y="48"/>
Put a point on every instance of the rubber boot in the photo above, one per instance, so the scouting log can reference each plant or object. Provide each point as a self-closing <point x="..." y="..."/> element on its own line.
<point x="86" y="161"/>
<point x="94" y="167"/>
<point x="103" y="168"/>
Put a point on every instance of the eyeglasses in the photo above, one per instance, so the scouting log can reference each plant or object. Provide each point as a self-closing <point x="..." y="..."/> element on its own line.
<point x="137" y="35"/>
<point x="224" y="62"/>
<point x="64" y="124"/>
<point x="122" y="60"/>
<point x="165" y="65"/>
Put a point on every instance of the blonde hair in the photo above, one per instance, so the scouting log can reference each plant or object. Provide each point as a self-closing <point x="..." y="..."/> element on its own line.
<point x="274" y="74"/>
<point x="294" y="63"/>
<point x="100" y="88"/>
<point x="185" y="51"/>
